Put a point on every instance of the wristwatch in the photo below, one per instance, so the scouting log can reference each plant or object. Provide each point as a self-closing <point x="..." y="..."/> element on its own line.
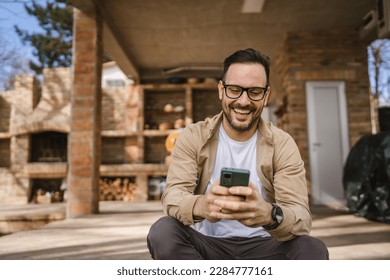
<point x="277" y="217"/>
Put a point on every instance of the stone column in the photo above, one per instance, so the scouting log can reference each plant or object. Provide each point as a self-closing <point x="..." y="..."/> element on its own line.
<point x="84" y="143"/>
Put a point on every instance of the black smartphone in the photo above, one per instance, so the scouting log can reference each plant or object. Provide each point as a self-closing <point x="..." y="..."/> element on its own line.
<point x="234" y="177"/>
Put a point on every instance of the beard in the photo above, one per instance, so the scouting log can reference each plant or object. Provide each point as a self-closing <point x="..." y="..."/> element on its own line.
<point x="236" y="124"/>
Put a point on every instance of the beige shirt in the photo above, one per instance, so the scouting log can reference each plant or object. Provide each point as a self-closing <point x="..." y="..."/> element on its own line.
<point x="280" y="169"/>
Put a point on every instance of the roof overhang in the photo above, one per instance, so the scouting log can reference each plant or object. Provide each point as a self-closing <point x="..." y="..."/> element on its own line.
<point x="154" y="39"/>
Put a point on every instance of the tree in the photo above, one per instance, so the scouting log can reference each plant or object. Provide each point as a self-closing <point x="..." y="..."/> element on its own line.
<point x="379" y="63"/>
<point x="11" y="64"/>
<point x="379" y="69"/>
<point x="53" y="48"/>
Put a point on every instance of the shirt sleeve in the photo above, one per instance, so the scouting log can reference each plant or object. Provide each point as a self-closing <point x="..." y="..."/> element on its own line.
<point x="178" y="198"/>
<point x="290" y="190"/>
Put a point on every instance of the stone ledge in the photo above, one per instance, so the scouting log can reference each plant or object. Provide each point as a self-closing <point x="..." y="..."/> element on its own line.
<point x="14" y="218"/>
<point x="133" y="169"/>
<point x="44" y="170"/>
<point x="59" y="170"/>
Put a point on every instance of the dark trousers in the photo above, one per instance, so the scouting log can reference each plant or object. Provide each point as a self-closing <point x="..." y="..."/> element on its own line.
<point x="169" y="239"/>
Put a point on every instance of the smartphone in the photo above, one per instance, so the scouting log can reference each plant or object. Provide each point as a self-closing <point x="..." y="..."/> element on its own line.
<point x="234" y="177"/>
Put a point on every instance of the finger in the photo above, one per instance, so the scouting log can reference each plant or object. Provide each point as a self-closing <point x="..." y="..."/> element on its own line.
<point x="235" y="206"/>
<point x="241" y="191"/>
<point x="215" y="208"/>
<point x="219" y="190"/>
<point x="225" y="211"/>
<point x="224" y="215"/>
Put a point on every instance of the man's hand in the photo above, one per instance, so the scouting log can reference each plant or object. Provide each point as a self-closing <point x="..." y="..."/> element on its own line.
<point x="205" y="206"/>
<point x="251" y="210"/>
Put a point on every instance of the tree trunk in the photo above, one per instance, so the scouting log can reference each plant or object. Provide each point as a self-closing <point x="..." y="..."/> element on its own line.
<point x="374" y="113"/>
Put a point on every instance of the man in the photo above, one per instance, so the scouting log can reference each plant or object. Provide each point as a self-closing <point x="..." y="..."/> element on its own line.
<point x="270" y="218"/>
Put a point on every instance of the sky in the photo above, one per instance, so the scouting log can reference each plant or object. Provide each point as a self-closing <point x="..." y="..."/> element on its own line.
<point x="12" y="13"/>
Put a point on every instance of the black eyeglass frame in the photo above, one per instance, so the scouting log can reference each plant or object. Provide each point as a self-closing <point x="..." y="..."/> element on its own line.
<point x="265" y="89"/>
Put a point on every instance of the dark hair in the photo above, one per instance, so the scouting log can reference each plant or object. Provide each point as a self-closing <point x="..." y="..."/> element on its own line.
<point x="247" y="56"/>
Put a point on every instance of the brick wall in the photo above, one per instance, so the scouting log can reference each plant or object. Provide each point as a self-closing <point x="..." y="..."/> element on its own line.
<point x="120" y="109"/>
<point x="155" y="147"/>
<point x="84" y="145"/>
<point x="113" y="150"/>
<point x="326" y="56"/>
<point x="205" y="103"/>
<point x="114" y="105"/>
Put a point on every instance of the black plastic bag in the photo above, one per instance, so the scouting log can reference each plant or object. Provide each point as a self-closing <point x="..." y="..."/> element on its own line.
<point x="366" y="178"/>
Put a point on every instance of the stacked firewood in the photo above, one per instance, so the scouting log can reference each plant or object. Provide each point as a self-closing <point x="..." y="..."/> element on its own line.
<point x="46" y="197"/>
<point x="117" y="189"/>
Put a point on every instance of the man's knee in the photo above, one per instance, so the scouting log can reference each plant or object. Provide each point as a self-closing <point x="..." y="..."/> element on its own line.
<point x="163" y="227"/>
<point x="311" y="248"/>
<point x="158" y="225"/>
<point x="161" y="236"/>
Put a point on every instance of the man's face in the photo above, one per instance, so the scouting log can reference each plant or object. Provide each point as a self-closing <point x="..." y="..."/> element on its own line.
<point x="242" y="114"/>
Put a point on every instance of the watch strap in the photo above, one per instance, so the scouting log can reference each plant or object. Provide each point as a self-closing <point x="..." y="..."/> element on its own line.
<point x="275" y="222"/>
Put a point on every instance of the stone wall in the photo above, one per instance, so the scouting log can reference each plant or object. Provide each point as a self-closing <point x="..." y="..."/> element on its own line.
<point x="5" y="114"/>
<point x="52" y="110"/>
<point x="15" y="105"/>
<point x="24" y="99"/>
<point x="5" y="153"/>
<point x="5" y="181"/>
<point x="30" y="108"/>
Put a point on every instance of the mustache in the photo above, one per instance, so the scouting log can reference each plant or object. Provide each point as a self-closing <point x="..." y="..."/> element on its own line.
<point x="235" y="106"/>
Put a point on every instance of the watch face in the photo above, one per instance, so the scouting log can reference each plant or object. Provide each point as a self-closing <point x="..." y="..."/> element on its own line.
<point x="279" y="214"/>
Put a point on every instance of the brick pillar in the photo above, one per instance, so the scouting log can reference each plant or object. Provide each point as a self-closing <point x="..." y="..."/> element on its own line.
<point x="84" y="137"/>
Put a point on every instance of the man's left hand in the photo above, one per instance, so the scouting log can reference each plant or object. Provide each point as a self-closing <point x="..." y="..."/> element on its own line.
<point x="254" y="211"/>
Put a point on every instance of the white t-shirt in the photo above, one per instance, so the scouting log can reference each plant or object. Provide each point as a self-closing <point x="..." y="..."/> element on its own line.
<point x="234" y="154"/>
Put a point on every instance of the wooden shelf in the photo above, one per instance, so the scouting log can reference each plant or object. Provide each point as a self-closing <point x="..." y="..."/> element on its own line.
<point x="5" y="135"/>
<point x="118" y="133"/>
<point x="157" y="133"/>
<point x="199" y="101"/>
<point x="161" y="111"/>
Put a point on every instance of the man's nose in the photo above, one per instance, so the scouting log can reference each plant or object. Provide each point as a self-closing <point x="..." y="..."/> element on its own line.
<point x="244" y="98"/>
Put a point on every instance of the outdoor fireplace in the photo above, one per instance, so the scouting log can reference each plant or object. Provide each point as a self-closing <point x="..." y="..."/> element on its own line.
<point x="48" y="147"/>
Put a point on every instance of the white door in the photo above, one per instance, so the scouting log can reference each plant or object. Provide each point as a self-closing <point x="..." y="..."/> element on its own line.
<point x="328" y="140"/>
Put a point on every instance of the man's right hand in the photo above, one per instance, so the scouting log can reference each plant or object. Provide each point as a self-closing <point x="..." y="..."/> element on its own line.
<point x="205" y="205"/>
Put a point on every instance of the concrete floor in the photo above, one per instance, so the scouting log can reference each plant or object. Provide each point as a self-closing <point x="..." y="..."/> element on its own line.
<point x="119" y="232"/>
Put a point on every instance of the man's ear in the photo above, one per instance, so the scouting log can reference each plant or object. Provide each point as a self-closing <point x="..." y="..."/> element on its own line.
<point x="220" y="90"/>
<point x="267" y="95"/>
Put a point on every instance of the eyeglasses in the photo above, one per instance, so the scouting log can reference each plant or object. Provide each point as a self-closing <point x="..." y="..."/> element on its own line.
<point x="235" y="92"/>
